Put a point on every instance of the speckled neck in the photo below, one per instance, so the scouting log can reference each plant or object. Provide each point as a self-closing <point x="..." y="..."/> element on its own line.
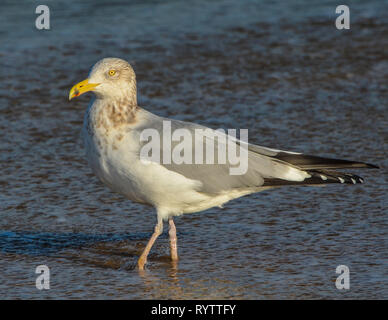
<point x="117" y="113"/>
<point x="106" y="115"/>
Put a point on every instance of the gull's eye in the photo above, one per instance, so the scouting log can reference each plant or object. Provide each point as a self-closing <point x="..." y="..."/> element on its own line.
<point x="112" y="72"/>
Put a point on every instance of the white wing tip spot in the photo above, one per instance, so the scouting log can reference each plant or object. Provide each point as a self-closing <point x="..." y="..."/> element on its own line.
<point x="341" y="180"/>
<point x="323" y="177"/>
<point x="354" y="181"/>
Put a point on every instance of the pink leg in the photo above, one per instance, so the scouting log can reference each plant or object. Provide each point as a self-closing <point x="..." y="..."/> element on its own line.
<point x="143" y="258"/>
<point x="173" y="240"/>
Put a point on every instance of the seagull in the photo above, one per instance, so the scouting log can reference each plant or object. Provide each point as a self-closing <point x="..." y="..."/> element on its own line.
<point x="113" y="134"/>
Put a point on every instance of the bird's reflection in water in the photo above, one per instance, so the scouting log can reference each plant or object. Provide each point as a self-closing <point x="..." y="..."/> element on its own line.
<point x="154" y="279"/>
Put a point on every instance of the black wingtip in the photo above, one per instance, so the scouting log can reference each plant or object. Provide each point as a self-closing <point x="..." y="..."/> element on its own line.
<point x="306" y="162"/>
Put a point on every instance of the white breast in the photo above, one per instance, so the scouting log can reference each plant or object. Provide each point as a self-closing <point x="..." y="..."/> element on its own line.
<point x="104" y="146"/>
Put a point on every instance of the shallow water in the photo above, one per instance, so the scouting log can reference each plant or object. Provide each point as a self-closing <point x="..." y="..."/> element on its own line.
<point x="280" y="69"/>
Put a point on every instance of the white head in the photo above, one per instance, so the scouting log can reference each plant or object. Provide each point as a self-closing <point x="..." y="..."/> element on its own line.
<point x="110" y="78"/>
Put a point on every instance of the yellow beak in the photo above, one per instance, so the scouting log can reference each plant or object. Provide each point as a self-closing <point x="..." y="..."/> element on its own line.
<point x="81" y="87"/>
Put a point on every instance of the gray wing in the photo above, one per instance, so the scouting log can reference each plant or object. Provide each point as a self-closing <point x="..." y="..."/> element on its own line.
<point x="217" y="177"/>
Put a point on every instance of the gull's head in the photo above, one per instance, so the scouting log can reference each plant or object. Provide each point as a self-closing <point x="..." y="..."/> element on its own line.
<point x="110" y="78"/>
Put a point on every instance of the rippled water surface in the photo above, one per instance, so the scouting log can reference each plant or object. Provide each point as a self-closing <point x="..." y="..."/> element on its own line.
<point x="279" y="68"/>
